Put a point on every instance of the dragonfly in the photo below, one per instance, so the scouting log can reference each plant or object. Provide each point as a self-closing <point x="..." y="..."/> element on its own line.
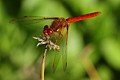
<point x="57" y="26"/>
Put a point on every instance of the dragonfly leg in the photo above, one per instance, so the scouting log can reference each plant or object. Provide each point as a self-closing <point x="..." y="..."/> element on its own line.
<point x="59" y="38"/>
<point x="55" y="38"/>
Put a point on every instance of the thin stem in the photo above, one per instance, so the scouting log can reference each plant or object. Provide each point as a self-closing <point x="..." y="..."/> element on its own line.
<point x="88" y="65"/>
<point x="43" y="65"/>
<point x="92" y="72"/>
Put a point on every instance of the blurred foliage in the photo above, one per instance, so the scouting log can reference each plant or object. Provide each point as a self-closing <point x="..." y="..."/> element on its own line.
<point x="18" y="52"/>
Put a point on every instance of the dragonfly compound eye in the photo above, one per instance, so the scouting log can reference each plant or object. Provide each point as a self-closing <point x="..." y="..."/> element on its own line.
<point x="45" y="27"/>
<point x="45" y="32"/>
<point x="49" y="31"/>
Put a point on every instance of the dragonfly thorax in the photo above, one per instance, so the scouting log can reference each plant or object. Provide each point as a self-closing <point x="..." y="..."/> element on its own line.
<point x="58" y="25"/>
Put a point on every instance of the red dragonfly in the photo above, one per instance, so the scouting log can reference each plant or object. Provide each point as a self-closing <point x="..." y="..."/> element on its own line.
<point x="57" y="26"/>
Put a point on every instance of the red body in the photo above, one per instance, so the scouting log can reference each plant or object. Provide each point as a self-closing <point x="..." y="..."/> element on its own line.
<point x="59" y="23"/>
<point x="78" y="18"/>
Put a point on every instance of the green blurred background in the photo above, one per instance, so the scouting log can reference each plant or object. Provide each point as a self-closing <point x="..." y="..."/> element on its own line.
<point x="93" y="46"/>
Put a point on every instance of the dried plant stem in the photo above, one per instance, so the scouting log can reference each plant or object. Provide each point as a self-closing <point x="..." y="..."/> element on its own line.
<point x="92" y="72"/>
<point x="88" y="65"/>
<point x="45" y="39"/>
<point x="43" y="65"/>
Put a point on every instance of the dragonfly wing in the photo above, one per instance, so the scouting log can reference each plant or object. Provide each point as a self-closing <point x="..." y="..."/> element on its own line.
<point x="56" y="60"/>
<point x="62" y="42"/>
<point x="58" y="54"/>
<point x="64" y="54"/>
<point x="30" y="19"/>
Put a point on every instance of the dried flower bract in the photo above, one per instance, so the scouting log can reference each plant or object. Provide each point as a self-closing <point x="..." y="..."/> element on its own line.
<point x="43" y="39"/>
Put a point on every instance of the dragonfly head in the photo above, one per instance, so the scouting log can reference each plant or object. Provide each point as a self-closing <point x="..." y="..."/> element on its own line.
<point x="47" y="30"/>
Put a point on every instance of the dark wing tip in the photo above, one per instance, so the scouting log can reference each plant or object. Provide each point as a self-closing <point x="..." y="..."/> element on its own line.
<point x="65" y="67"/>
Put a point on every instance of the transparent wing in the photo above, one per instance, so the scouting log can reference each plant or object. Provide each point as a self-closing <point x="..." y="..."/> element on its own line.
<point x="58" y="53"/>
<point x="30" y="19"/>
<point x="64" y="54"/>
<point x="56" y="60"/>
<point x="62" y="42"/>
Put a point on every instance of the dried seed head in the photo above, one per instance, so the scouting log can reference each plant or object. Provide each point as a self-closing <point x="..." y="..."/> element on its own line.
<point x="43" y="39"/>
